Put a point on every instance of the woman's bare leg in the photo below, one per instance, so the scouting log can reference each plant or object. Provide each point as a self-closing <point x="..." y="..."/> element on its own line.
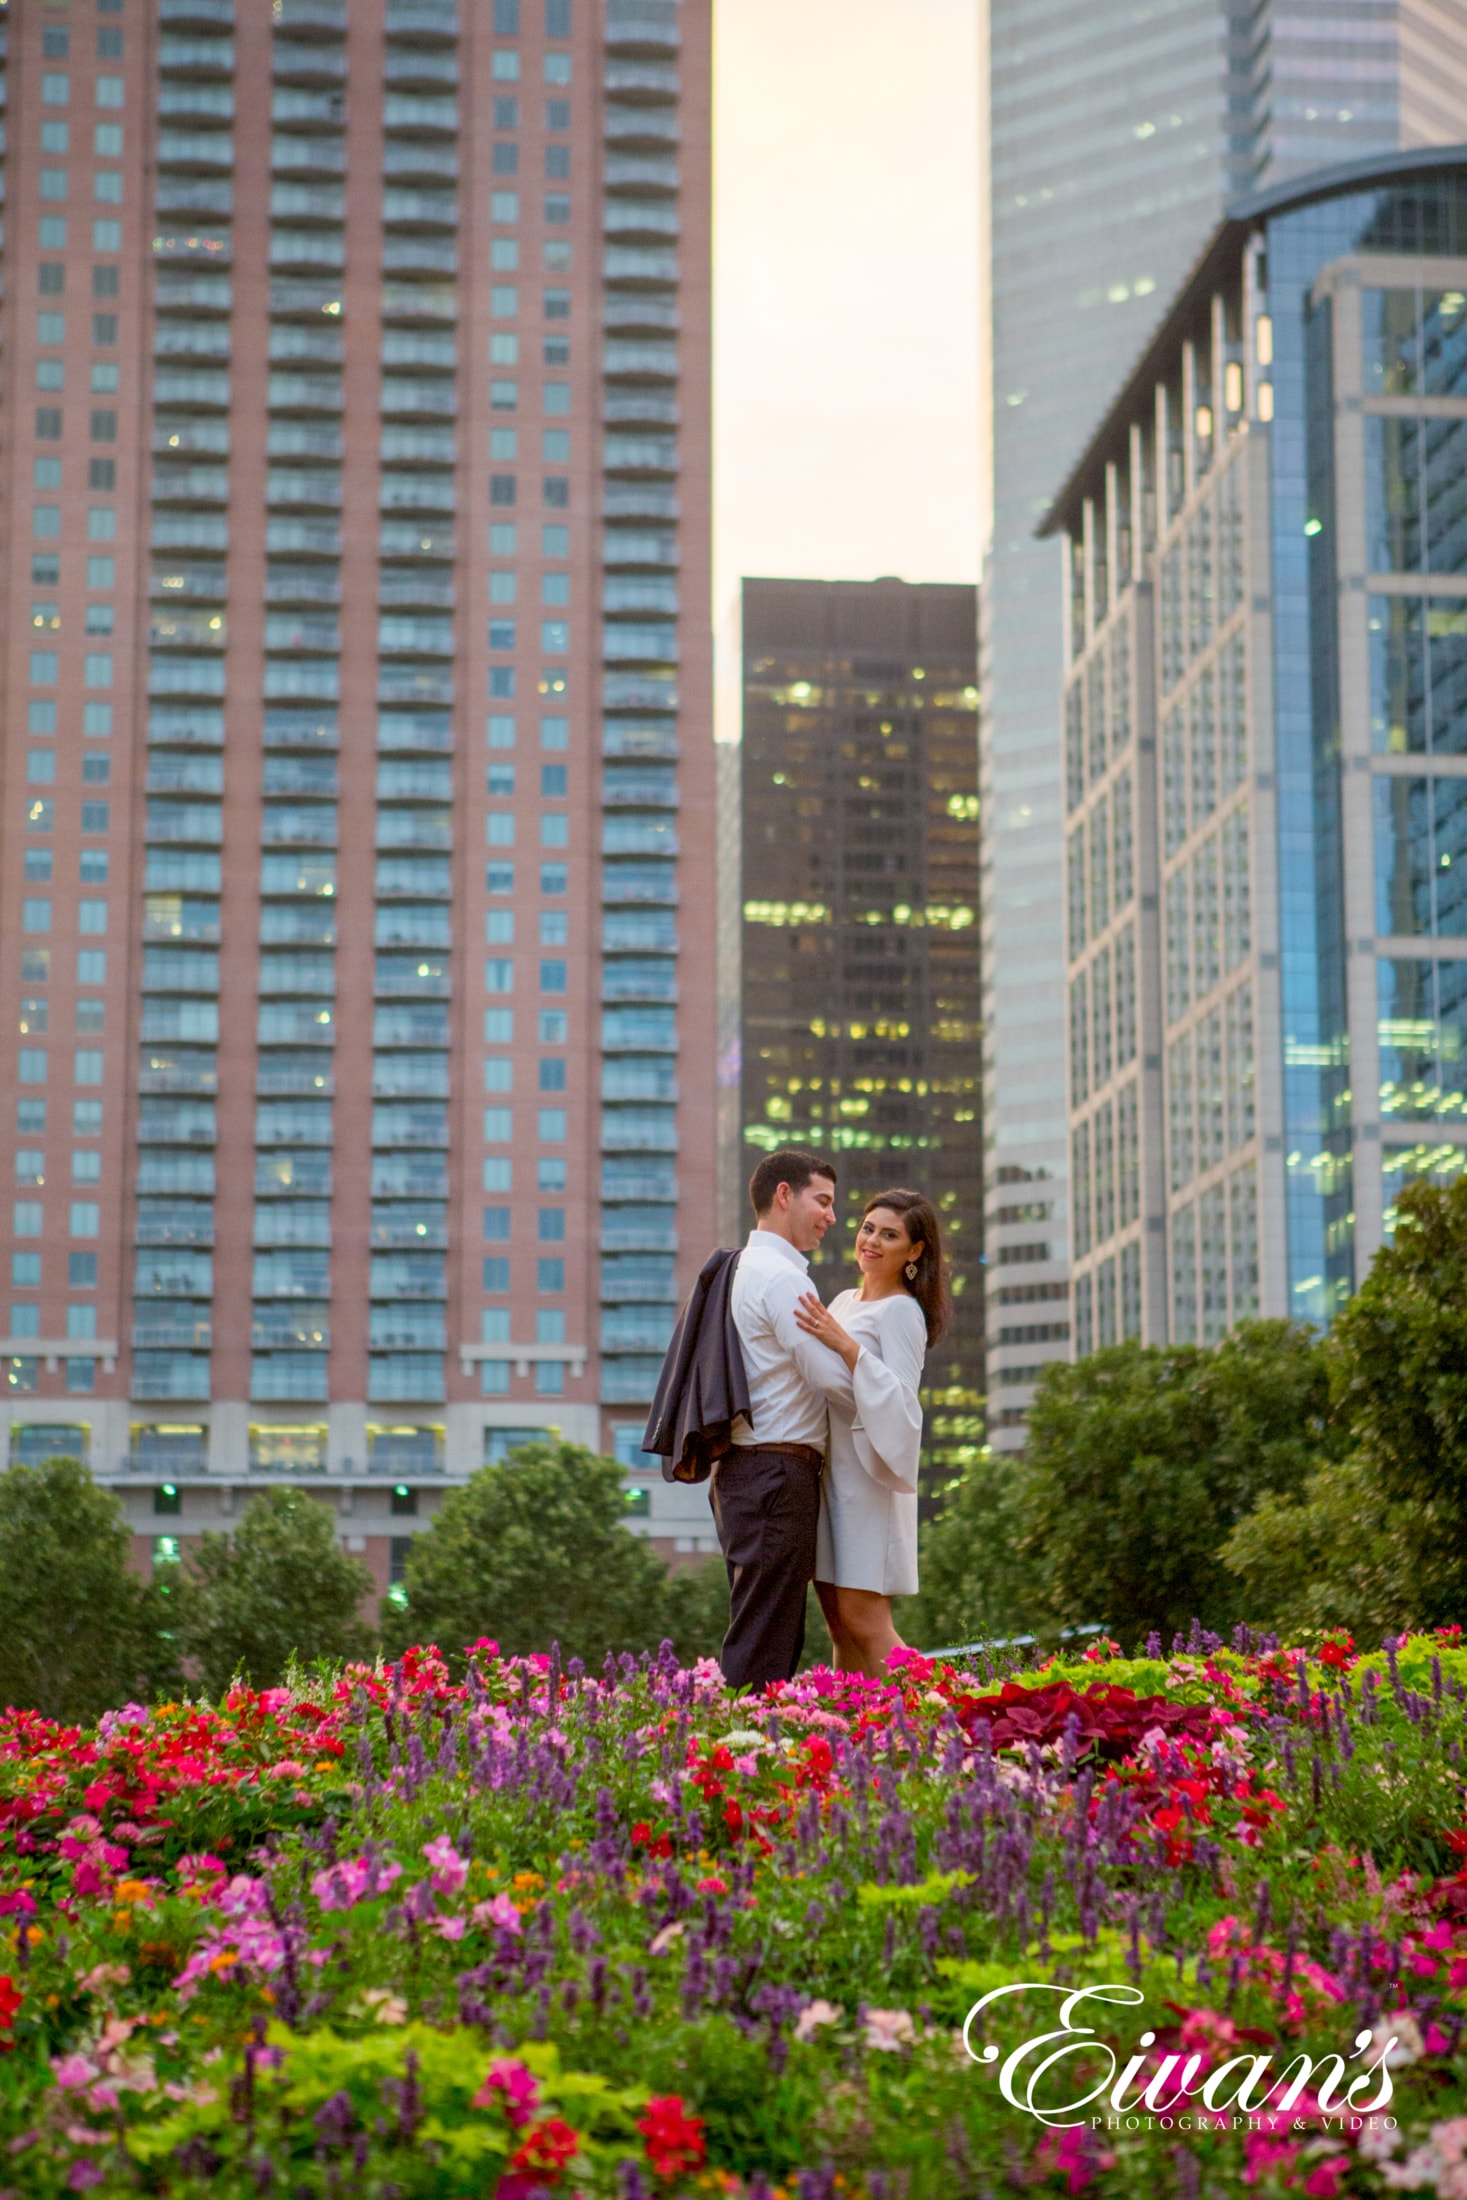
<point x="867" y="1633"/>
<point x="829" y="1597"/>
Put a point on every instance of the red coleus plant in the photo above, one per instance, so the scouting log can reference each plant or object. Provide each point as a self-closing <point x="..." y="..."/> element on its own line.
<point x="1110" y="1720"/>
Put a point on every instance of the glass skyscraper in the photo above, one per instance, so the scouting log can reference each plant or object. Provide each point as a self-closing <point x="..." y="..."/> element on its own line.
<point x="359" y="732"/>
<point x="1116" y="136"/>
<point x="859" y="1028"/>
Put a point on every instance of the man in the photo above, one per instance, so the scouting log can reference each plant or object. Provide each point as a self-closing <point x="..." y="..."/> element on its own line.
<point x="766" y="1485"/>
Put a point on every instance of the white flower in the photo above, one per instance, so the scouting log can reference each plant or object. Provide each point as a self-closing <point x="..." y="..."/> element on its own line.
<point x="1409" y="2046"/>
<point x="813" y="2015"/>
<point x="888" y="2029"/>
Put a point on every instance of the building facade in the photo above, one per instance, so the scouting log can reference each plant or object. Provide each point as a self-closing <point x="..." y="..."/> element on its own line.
<point x="358" y="730"/>
<point x="1116" y="138"/>
<point x="1266" y="763"/>
<point x="859" y="1025"/>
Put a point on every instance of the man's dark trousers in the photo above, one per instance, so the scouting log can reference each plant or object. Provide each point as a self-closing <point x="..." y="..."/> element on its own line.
<point x="766" y="1501"/>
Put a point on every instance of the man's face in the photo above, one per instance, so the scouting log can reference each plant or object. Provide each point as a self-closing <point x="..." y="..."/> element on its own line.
<point x="811" y="1212"/>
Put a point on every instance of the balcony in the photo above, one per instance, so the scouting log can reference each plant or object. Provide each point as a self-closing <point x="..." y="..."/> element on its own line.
<point x="629" y="1382"/>
<point x="619" y="739"/>
<point x="429" y="493"/>
<point x="307" y="156"/>
<point x="422" y="19"/>
<point x="210" y="197"/>
<point x="308" y="17"/>
<point x="418" y="399"/>
<point x="309" y="110"/>
<point x="639" y="1230"/>
<point x="170" y="1375"/>
<point x="413" y="924"/>
<point x="186" y="1328"/>
<point x="419" y="114"/>
<point x="650" y="126"/>
<point x="653" y="81"/>
<point x="211" y="151"/>
<point x="636" y="1329"/>
<point x="181" y="1074"/>
<point x="305" y="393"/>
<point x="635" y="407"/>
<point x="632" y="311"/>
<point x="176" y="387"/>
<point x="308" y="64"/>
<point x="200" y="248"/>
<point x="289" y="1375"/>
<point x="186" y="102"/>
<point x="408" y="1276"/>
<point x="423" y="1226"/>
<point x="174" y="1222"/>
<point x="168" y="1459"/>
<point x="205" y="14"/>
<point x="424" y="977"/>
<point x="303" y="1222"/>
<point x="639" y="1130"/>
<point x="406" y="1378"/>
<point x="654" y="884"/>
<point x="192" y="340"/>
<point x="409" y="1176"/>
<point x="642" y="26"/>
<point x="180" y="290"/>
<point x="413" y="1024"/>
<point x="404" y="70"/>
<point x="284" y="973"/>
<point x="405" y="538"/>
<point x="630" y="786"/>
<point x="298" y="1325"/>
<point x="406" y="1125"/>
<point x="431" y="302"/>
<point x="654" y="218"/>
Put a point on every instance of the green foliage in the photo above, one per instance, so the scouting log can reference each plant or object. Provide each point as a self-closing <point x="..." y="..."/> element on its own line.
<point x="1377" y="1541"/>
<point x="82" y="1634"/>
<point x="695" y="1609"/>
<point x="280" y="1588"/>
<point x="1141" y="1461"/>
<point x="536" y="1551"/>
<point x="977" y="1585"/>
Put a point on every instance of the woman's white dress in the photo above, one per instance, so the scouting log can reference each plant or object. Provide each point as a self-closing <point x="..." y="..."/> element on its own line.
<point x="868" y="1492"/>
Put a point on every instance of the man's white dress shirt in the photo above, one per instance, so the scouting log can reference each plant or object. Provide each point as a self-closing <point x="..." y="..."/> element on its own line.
<point x="791" y="1374"/>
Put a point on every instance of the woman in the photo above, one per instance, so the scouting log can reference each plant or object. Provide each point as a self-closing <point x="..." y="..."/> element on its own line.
<point x="867" y="1551"/>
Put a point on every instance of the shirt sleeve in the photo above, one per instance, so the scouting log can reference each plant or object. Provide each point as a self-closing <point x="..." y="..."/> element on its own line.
<point x="825" y="1371"/>
<point x="888" y="1429"/>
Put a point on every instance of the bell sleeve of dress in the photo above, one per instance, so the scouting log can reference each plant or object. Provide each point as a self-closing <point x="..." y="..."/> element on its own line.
<point x="887" y="1431"/>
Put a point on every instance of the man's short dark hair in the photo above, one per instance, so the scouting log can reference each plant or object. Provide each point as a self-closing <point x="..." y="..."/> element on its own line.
<point x="792" y="1165"/>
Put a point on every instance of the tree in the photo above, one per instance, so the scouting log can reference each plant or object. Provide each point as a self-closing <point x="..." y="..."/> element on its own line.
<point x="280" y="1587"/>
<point x="1141" y="1460"/>
<point x="977" y="1584"/>
<point x="1378" y="1541"/>
<point x="531" y="1552"/>
<point x="82" y="1633"/>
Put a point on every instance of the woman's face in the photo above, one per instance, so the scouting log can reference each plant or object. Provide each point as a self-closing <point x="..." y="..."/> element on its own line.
<point x="883" y="1248"/>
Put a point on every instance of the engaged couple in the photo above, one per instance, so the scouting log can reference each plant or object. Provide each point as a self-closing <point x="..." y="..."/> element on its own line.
<point x="807" y="1417"/>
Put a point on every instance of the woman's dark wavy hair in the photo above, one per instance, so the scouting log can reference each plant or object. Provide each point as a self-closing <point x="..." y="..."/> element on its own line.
<point x="929" y="1287"/>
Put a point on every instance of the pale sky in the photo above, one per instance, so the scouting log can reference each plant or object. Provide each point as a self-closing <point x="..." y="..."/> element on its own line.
<point x="846" y="390"/>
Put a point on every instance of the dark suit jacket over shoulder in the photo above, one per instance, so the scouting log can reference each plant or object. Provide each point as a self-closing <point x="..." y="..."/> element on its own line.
<point x="702" y="1389"/>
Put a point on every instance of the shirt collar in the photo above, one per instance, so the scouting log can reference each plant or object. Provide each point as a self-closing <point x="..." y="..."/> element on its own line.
<point x="769" y="1241"/>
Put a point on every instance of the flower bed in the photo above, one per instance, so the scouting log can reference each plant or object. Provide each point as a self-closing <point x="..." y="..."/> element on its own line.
<point x="623" y="1934"/>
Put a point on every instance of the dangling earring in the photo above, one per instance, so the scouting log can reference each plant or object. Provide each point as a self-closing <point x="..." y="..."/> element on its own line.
<point x="910" y="1271"/>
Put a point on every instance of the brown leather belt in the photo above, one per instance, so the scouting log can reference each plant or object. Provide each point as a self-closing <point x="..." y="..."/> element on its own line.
<point x="807" y="1454"/>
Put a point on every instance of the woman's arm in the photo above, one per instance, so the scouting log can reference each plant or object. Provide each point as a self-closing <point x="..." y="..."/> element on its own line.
<point x="817" y="1321"/>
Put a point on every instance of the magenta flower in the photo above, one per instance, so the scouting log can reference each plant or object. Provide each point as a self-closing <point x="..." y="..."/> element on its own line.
<point x="450" y="1870"/>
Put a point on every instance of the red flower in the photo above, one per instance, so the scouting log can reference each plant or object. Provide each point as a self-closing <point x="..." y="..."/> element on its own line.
<point x="1337" y="1650"/>
<point x="674" y="2138"/>
<point x="10" y="2000"/>
<point x="550" y="2146"/>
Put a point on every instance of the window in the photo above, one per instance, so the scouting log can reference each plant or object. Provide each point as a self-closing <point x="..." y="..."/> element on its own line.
<point x="504" y="206"/>
<point x="557" y="491"/>
<point x="502" y="588"/>
<point x="499" y="828"/>
<point x="557" y="114"/>
<point x="554" y="1027"/>
<point x="499" y="928"/>
<point x="498" y="1131"/>
<point x="40" y="815"/>
<point x="107" y="145"/>
<point x="555" y="588"/>
<point x="36" y="915"/>
<point x="553" y="782"/>
<point x="48" y="430"/>
<point x="552" y="1076"/>
<point x="552" y="1225"/>
<point x="52" y="283"/>
<point x="40" y="769"/>
<point x="107" y="184"/>
<point x="25" y="1271"/>
<point x="104" y="282"/>
<point x="101" y="523"/>
<point x="552" y="977"/>
<point x="46" y="521"/>
<point x="86" y="1218"/>
<point x="104" y="329"/>
<point x="496" y="1270"/>
<point x="98" y="669"/>
<point x="555" y="830"/>
<point x="55" y="42"/>
<point x="504" y="255"/>
<point x="553" y="878"/>
<point x="496" y="1173"/>
<point x="504" y="396"/>
<point x="552" y="1127"/>
<point x="498" y="1027"/>
<point x="87" y="1066"/>
<point x="557" y="205"/>
<point x="498" y="973"/>
<point x="106" y="236"/>
<point x="53" y="232"/>
<point x="499" y="878"/>
<point x="496" y="1225"/>
<point x="25" y="1220"/>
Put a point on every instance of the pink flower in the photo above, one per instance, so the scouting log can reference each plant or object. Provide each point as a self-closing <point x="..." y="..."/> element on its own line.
<point x="343" y="1886"/>
<point x="1323" y="2181"/>
<point x="510" y="2086"/>
<point x="450" y="1870"/>
<point x="289" y="1768"/>
<point x="451" y="1928"/>
<point x="72" y="2072"/>
<point x="1264" y="2155"/>
<point x="500" y="1911"/>
<point x="813" y="2016"/>
<point x="83" y="2175"/>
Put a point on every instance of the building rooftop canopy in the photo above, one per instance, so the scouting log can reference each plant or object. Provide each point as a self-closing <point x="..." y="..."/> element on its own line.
<point x="1192" y="300"/>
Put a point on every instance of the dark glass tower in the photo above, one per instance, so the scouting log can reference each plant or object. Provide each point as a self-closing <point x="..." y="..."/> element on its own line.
<point x="860" y="1016"/>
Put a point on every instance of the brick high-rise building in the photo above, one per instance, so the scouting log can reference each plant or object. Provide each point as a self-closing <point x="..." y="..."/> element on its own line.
<point x="356" y="720"/>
